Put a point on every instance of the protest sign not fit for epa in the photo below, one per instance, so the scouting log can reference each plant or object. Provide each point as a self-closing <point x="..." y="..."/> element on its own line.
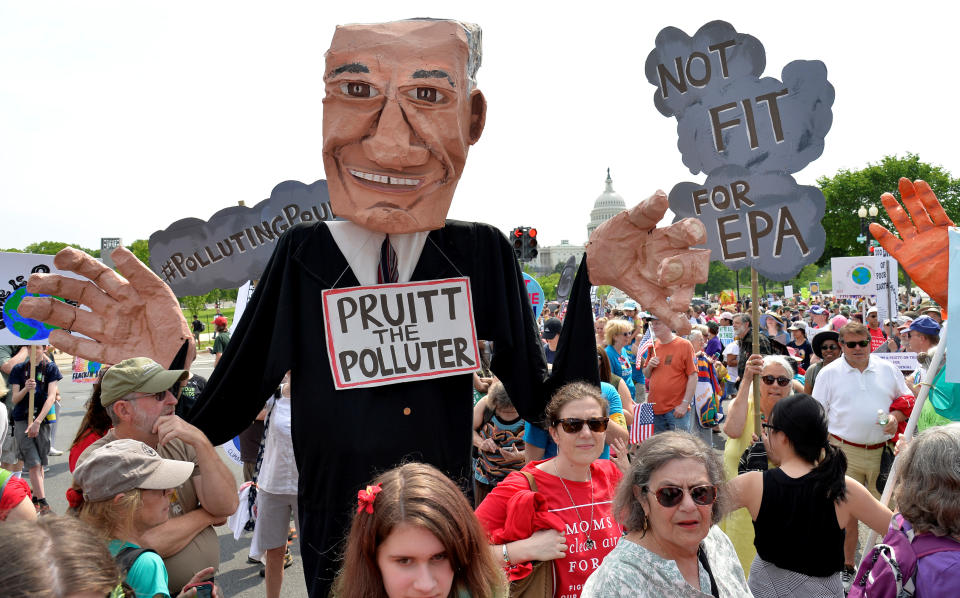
<point x="748" y="134"/>
<point x="391" y="333"/>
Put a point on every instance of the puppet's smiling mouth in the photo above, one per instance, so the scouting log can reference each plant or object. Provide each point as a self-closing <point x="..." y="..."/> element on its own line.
<point x="394" y="183"/>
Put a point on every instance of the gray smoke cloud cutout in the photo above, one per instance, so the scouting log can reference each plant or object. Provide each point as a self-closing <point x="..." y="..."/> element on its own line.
<point x="726" y="114"/>
<point x="766" y="221"/>
<point x="195" y="256"/>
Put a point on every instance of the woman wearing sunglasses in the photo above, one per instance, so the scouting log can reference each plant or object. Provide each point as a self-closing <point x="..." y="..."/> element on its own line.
<point x="742" y="450"/>
<point x="575" y="491"/>
<point x="669" y="503"/>
<point x="826" y="346"/>
<point x="800" y="508"/>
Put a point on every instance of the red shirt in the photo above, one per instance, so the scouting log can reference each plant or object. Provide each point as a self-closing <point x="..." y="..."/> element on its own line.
<point x="572" y="571"/>
<point x="77" y="449"/>
<point x="877" y="338"/>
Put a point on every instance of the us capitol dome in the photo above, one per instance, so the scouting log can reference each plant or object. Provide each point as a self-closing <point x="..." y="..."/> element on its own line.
<point x="607" y="205"/>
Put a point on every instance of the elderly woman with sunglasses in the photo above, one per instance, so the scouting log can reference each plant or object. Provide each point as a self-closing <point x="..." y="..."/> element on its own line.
<point x="740" y="452"/>
<point x="575" y="494"/>
<point x="669" y="503"/>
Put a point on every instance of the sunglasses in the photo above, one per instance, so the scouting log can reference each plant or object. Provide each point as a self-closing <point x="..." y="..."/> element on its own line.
<point x="781" y="380"/>
<point x="830" y="347"/>
<point x="671" y="496"/>
<point x="157" y="396"/>
<point x="573" y="425"/>
<point x="852" y="344"/>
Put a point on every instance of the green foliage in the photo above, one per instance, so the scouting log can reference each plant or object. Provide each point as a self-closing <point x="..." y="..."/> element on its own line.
<point x="549" y="284"/>
<point x="193" y="304"/>
<point x="141" y="249"/>
<point x="52" y="247"/>
<point x="847" y="190"/>
<point x="720" y="278"/>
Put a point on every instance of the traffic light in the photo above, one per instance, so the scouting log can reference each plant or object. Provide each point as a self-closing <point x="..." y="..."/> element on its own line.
<point x="530" y="244"/>
<point x="517" y="238"/>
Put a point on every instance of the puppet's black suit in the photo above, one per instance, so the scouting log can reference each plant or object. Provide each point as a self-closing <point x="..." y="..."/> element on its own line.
<point x="343" y="438"/>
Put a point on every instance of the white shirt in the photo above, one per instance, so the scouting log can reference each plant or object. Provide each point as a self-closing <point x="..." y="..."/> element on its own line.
<point x="278" y="472"/>
<point x="731" y="349"/>
<point x="852" y="398"/>
<point x="361" y="247"/>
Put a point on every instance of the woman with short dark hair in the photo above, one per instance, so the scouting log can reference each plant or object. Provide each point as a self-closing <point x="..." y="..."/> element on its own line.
<point x="669" y="503"/>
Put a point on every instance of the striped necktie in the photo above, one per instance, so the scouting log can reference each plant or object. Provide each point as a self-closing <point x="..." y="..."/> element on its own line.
<point x="387" y="268"/>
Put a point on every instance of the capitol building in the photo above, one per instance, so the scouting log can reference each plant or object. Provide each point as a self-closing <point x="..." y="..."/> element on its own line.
<point x="607" y="205"/>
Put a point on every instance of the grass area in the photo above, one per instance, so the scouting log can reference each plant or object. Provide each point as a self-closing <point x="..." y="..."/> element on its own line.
<point x="206" y="316"/>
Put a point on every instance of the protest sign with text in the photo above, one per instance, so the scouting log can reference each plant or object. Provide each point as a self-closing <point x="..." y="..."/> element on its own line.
<point x="16" y="268"/>
<point x="85" y="371"/>
<point x="854" y="276"/>
<point x="391" y="333"/>
<point x="194" y="256"/>
<point x="535" y="293"/>
<point x="905" y="362"/>
<point x="749" y="134"/>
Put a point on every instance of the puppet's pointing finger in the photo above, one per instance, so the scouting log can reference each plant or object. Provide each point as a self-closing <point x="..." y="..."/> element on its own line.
<point x="689" y="267"/>
<point x="81" y="347"/>
<point x="74" y="260"/>
<point x="81" y="291"/>
<point x="931" y="204"/>
<point x="686" y="233"/>
<point x="650" y="211"/>
<point x="64" y="315"/>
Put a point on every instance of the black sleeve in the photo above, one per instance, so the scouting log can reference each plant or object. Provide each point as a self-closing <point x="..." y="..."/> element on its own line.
<point x="258" y="355"/>
<point x="504" y="316"/>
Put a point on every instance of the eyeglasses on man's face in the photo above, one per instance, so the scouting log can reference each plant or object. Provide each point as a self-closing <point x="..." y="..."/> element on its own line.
<point x="852" y="344"/>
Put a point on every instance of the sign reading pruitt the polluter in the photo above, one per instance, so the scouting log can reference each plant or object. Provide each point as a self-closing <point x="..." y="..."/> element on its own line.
<point x="748" y="133"/>
<point x="390" y="333"/>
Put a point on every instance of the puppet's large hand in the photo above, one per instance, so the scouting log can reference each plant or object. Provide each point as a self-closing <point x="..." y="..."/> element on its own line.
<point x="136" y="317"/>
<point x="923" y="248"/>
<point x="651" y="264"/>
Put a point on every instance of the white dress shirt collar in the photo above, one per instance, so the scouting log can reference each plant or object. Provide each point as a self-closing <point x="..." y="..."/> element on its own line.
<point x="361" y="248"/>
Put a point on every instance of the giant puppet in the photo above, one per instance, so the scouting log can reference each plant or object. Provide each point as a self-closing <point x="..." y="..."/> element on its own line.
<point x="400" y="113"/>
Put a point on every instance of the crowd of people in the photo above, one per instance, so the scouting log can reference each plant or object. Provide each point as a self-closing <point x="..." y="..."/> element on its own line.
<point x="581" y="506"/>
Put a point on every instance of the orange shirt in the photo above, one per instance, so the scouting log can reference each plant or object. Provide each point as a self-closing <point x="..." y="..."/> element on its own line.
<point x="668" y="381"/>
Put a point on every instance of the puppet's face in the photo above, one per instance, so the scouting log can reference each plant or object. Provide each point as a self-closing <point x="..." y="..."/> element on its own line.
<point x="398" y="120"/>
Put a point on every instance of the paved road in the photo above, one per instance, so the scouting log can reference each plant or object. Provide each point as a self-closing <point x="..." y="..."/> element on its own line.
<point x="236" y="577"/>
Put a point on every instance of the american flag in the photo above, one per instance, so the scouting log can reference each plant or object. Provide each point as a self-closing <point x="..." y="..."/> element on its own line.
<point x="646" y="341"/>
<point x="642" y="424"/>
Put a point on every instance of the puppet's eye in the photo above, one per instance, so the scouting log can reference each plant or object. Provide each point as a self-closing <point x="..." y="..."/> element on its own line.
<point x="358" y="90"/>
<point x="431" y="95"/>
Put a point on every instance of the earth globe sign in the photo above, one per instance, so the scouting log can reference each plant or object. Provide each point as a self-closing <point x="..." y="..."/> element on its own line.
<point x="861" y="275"/>
<point x="21" y="326"/>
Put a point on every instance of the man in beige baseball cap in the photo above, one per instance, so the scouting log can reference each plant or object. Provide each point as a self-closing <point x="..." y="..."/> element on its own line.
<point x="136" y="394"/>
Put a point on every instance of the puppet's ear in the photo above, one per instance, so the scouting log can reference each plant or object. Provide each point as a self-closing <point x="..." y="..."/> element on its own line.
<point x="478" y="115"/>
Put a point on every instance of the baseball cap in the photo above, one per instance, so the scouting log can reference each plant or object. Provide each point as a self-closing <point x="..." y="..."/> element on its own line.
<point x="139" y="374"/>
<point x="927" y="306"/>
<point x="726" y="316"/>
<point x="798" y="326"/>
<point x="926" y="325"/>
<point x="872" y="310"/>
<point x="817" y="310"/>
<point x="126" y="464"/>
<point x="551" y="328"/>
<point x="220" y="321"/>
<point x="630" y="304"/>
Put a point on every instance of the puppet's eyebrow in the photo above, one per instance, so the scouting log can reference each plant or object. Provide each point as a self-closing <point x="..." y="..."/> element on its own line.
<point x="353" y="67"/>
<point x="435" y="74"/>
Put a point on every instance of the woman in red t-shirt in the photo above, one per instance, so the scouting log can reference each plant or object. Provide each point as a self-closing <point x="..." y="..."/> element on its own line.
<point x="578" y="490"/>
<point x="94" y="426"/>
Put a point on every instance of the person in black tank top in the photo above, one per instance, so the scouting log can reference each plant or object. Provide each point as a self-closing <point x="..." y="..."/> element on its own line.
<point x="800" y="508"/>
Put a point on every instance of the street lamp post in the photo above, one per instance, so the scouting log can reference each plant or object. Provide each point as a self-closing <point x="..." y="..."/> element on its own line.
<point x="863" y="212"/>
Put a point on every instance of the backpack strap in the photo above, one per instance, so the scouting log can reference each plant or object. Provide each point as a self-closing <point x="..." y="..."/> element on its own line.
<point x="127" y="556"/>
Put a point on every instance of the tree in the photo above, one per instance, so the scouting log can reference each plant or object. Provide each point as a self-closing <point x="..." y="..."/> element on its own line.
<point x="847" y="190"/>
<point x="549" y="284"/>
<point x="141" y="249"/>
<point x="720" y="277"/>
<point x="193" y="303"/>
<point x="52" y="247"/>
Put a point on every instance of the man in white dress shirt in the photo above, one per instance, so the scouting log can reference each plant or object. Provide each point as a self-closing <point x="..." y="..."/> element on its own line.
<point x="852" y="390"/>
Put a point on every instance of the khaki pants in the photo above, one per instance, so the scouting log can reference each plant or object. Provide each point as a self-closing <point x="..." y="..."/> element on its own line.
<point x="863" y="465"/>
